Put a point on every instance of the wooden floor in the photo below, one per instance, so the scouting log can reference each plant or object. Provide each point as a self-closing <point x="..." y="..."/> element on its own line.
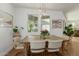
<point x="21" y="53"/>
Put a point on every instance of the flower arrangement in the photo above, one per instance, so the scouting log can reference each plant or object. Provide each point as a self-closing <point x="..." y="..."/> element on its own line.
<point x="44" y="34"/>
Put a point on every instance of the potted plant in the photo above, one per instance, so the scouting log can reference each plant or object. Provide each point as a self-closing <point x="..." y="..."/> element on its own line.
<point x="15" y="29"/>
<point x="69" y="31"/>
<point x="44" y="34"/>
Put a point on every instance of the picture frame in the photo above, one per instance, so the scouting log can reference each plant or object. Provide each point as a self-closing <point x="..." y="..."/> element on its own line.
<point x="6" y="19"/>
<point x="57" y="23"/>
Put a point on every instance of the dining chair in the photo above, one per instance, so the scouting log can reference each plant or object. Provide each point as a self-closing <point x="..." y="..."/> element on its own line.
<point x="37" y="47"/>
<point x="19" y="46"/>
<point x="54" y="46"/>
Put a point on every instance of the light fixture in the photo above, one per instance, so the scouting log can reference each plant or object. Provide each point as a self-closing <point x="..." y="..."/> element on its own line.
<point x="43" y="8"/>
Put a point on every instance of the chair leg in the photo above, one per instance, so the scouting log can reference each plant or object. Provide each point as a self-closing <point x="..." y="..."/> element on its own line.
<point x="46" y="53"/>
<point x="28" y="53"/>
<point x="43" y="53"/>
<point x="25" y="53"/>
<point x="58" y="54"/>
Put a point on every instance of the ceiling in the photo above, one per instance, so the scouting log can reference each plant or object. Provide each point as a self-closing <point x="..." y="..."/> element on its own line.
<point x="48" y="6"/>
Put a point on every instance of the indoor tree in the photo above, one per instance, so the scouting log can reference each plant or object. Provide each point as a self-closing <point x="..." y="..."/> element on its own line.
<point x="69" y="31"/>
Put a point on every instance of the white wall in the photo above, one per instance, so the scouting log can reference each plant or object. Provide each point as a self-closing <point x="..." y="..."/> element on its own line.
<point x="6" y="41"/>
<point x="6" y="7"/>
<point x="73" y="17"/>
<point x="21" y="17"/>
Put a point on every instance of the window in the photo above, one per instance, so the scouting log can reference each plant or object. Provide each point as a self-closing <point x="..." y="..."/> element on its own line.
<point x="45" y="23"/>
<point x="32" y="23"/>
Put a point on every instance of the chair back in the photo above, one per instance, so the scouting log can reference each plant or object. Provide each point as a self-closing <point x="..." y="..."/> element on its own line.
<point x="37" y="45"/>
<point x="54" y="45"/>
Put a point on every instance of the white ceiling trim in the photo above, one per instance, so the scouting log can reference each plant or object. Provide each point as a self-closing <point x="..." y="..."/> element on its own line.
<point x="48" y="6"/>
